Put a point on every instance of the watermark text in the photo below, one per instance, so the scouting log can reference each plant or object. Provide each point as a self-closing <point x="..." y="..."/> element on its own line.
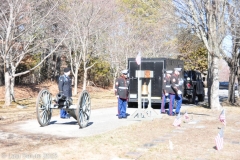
<point x="29" y="156"/>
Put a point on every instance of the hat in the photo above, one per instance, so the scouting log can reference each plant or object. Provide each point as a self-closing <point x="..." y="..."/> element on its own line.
<point x="125" y="71"/>
<point x="66" y="70"/>
<point x="178" y="69"/>
<point x="168" y="71"/>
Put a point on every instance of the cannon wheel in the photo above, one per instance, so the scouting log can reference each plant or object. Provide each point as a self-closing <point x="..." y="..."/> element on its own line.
<point x="43" y="110"/>
<point x="83" y="109"/>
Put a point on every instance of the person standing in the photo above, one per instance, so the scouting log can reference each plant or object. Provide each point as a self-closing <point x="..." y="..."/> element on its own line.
<point x="166" y="89"/>
<point x="178" y="97"/>
<point x="65" y="88"/>
<point x="172" y="94"/>
<point x="177" y="91"/>
<point x="121" y="91"/>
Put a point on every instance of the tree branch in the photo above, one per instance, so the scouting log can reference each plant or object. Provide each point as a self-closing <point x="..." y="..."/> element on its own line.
<point x="22" y="73"/>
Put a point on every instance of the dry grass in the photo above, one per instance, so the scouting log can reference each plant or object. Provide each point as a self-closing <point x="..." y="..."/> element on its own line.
<point x="150" y="139"/>
<point x="143" y="140"/>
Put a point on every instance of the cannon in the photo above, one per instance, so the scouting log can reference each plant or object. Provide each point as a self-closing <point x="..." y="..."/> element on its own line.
<point x="80" y="111"/>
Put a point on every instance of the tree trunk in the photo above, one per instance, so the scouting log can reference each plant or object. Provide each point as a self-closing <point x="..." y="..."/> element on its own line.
<point x="231" y="87"/>
<point x="238" y="78"/>
<point x="7" y="89"/>
<point x="1" y="78"/>
<point x="75" y="82"/>
<point x="114" y="80"/>
<point x="1" y="74"/>
<point x="12" y="84"/>
<point x="85" y="79"/>
<point x="213" y="83"/>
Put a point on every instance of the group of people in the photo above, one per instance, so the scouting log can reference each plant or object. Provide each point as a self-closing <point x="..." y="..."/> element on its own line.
<point x="172" y="91"/>
<point x="121" y="91"/>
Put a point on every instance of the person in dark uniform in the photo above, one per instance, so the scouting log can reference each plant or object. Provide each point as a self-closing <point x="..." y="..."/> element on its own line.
<point x="65" y="88"/>
<point x="166" y="89"/>
<point x="121" y="91"/>
<point x="172" y="95"/>
<point x="176" y="93"/>
<point x="178" y="96"/>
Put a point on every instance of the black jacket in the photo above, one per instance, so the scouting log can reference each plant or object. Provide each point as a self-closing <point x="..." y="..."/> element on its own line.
<point x="65" y="85"/>
<point x="174" y="84"/>
<point x="166" y="85"/>
<point x="121" y="88"/>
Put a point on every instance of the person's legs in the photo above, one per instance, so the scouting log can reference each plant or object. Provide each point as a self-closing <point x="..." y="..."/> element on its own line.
<point x="171" y="104"/>
<point x="63" y="113"/>
<point x="127" y="114"/>
<point x="179" y="103"/>
<point x="163" y="103"/>
<point x="124" y="108"/>
<point x="120" y="107"/>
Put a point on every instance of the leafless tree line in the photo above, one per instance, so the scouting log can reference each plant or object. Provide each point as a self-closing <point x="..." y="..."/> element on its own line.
<point x="76" y="30"/>
<point x="80" y="30"/>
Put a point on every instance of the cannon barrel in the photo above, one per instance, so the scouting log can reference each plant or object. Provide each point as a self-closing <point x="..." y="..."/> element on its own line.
<point x="61" y="96"/>
<point x="63" y="100"/>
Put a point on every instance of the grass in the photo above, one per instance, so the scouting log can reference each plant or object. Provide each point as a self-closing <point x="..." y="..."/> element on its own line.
<point x="192" y="143"/>
<point x="130" y="142"/>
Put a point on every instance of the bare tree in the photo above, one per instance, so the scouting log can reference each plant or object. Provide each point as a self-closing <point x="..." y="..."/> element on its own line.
<point x="206" y="19"/>
<point x="87" y="21"/>
<point x="141" y="26"/>
<point x="119" y="48"/>
<point x="22" y="24"/>
<point x="231" y="54"/>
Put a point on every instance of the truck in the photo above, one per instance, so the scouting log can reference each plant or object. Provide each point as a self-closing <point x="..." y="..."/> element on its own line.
<point x="193" y="86"/>
<point x="157" y="66"/>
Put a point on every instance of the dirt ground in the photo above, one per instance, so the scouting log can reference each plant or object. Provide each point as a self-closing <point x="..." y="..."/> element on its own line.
<point x="147" y="139"/>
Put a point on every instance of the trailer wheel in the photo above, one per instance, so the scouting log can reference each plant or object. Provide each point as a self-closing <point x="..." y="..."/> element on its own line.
<point x="43" y="107"/>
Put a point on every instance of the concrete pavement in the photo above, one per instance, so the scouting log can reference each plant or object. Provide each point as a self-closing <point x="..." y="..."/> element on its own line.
<point x="101" y="121"/>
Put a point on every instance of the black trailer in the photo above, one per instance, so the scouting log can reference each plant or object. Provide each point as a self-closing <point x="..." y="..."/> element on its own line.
<point x="157" y="65"/>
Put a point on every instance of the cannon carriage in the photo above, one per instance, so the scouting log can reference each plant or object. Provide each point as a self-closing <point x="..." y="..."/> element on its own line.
<point x="80" y="111"/>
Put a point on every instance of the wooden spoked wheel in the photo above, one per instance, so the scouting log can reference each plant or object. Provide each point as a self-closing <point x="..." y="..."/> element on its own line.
<point x="83" y="111"/>
<point x="43" y="107"/>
